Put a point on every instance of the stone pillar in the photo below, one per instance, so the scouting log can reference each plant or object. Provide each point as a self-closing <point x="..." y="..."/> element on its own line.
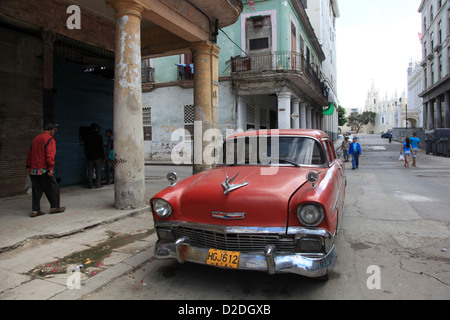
<point x="129" y="167"/>
<point x="430" y="115"/>
<point x="206" y="98"/>
<point x="320" y="121"/>
<point x="241" y="116"/>
<point x="447" y="109"/>
<point x="308" y="118"/>
<point x="424" y="115"/>
<point x="303" y="115"/>
<point x="438" y="112"/>
<point x="284" y="110"/>
<point x="295" y="114"/>
<point x="313" y="119"/>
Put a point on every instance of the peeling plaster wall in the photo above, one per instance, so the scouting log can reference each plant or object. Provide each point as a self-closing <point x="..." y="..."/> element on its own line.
<point x="168" y="115"/>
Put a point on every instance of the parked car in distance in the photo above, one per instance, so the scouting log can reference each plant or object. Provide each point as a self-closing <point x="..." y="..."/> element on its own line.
<point x="386" y="135"/>
<point x="274" y="205"/>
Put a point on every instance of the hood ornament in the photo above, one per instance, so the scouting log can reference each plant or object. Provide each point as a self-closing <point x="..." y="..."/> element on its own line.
<point x="228" y="186"/>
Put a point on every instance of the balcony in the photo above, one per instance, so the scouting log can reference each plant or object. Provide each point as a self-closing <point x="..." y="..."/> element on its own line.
<point x="292" y="65"/>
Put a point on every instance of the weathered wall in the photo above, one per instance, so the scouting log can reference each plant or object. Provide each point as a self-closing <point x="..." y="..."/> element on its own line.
<point x="166" y="118"/>
<point x="20" y="105"/>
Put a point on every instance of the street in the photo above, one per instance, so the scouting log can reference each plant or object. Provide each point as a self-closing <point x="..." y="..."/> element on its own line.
<point x="393" y="243"/>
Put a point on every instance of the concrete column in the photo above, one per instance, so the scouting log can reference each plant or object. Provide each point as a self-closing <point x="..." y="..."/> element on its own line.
<point x="430" y="115"/>
<point x="241" y="115"/>
<point x="284" y="110"/>
<point x="313" y="119"/>
<point x="320" y="121"/>
<point x="206" y="99"/>
<point x="129" y="167"/>
<point x="295" y="114"/>
<point x="447" y="109"/>
<point x="424" y="115"/>
<point x="308" y="118"/>
<point x="303" y="115"/>
<point x="438" y="112"/>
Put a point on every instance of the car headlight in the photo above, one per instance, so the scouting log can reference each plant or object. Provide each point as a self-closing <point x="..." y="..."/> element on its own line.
<point x="310" y="215"/>
<point x="162" y="208"/>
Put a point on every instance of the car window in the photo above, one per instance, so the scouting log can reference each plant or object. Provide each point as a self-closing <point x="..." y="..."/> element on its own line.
<point x="269" y="150"/>
<point x="330" y="151"/>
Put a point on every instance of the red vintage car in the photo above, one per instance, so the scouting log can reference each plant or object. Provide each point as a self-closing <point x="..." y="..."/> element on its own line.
<point x="274" y="205"/>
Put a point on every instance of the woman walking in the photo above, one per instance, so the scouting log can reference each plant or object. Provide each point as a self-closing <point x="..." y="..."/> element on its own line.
<point x="406" y="151"/>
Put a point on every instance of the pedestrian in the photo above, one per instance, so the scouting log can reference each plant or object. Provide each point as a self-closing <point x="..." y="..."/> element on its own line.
<point x="406" y="151"/>
<point x="95" y="155"/>
<point x="355" y="152"/>
<point x="415" y="144"/>
<point x="40" y="167"/>
<point x="345" y="145"/>
<point x="109" y="163"/>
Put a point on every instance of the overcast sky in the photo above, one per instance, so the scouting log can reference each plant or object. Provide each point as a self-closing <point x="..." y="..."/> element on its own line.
<point x="376" y="40"/>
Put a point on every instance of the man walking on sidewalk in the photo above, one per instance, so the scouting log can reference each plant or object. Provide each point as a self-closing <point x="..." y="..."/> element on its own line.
<point x="355" y="152"/>
<point x="40" y="167"/>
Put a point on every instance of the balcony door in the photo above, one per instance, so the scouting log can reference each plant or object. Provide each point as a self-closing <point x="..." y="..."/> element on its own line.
<point x="258" y="30"/>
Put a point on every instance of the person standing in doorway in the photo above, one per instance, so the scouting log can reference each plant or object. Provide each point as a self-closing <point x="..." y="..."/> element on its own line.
<point x="415" y="144"/>
<point x="95" y="155"/>
<point x="109" y="163"/>
<point x="355" y="152"/>
<point x="40" y="167"/>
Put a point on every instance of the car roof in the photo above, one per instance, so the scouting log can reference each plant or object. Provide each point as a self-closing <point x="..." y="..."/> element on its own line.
<point x="318" y="134"/>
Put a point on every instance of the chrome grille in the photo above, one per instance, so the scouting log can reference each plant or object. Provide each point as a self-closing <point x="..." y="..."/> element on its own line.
<point x="235" y="241"/>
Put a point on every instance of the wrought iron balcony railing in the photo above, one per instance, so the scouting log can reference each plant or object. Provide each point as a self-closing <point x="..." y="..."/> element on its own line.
<point x="276" y="61"/>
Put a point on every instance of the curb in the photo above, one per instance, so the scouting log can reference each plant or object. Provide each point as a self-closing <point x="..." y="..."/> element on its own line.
<point x="100" y="280"/>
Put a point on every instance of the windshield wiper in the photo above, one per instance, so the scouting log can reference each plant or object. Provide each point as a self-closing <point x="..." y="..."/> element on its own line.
<point x="289" y="161"/>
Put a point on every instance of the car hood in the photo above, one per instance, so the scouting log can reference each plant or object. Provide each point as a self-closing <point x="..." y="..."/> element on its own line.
<point x="264" y="201"/>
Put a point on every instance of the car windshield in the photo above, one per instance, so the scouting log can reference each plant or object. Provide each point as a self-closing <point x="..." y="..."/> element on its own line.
<point x="263" y="150"/>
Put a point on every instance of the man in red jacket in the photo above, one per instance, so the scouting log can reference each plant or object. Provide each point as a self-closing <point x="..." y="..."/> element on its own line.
<point x="40" y="167"/>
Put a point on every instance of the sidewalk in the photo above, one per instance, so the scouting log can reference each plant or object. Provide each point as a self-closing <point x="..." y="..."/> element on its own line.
<point x="27" y="243"/>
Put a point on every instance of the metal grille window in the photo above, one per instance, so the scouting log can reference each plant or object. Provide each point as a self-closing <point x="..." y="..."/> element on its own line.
<point x="189" y="114"/>
<point x="189" y="120"/>
<point x="147" y="122"/>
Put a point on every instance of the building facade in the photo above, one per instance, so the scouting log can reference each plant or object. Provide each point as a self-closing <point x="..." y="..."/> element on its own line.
<point x="414" y="111"/>
<point x="271" y="76"/>
<point x="435" y="63"/>
<point x="388" y="109"/>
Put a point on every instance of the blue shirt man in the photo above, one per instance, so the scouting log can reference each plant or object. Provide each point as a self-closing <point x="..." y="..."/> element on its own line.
<point x="415" y="143"/>
<point x="355" y="151"/>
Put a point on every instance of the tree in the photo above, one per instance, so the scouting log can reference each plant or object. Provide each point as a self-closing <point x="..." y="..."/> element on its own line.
<point x="358" y="120"/>
<point x="342" y="119"/>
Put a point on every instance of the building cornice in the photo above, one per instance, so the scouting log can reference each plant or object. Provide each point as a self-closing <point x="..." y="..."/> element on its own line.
<point x="309" y="29"/>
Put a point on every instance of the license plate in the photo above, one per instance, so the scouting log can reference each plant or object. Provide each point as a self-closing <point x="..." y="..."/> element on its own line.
<point x="221" y="258"/>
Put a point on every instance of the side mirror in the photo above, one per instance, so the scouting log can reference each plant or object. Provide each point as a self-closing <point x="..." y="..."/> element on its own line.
<point x="312" y="177"/>
<point x="172" y="178"/>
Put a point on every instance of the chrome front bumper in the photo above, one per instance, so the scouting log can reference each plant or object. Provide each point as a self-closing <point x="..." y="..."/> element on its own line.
<point x="271" y="262"/>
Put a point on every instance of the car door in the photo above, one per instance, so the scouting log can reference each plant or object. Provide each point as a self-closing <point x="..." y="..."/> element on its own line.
<point x="338" y="172"/>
